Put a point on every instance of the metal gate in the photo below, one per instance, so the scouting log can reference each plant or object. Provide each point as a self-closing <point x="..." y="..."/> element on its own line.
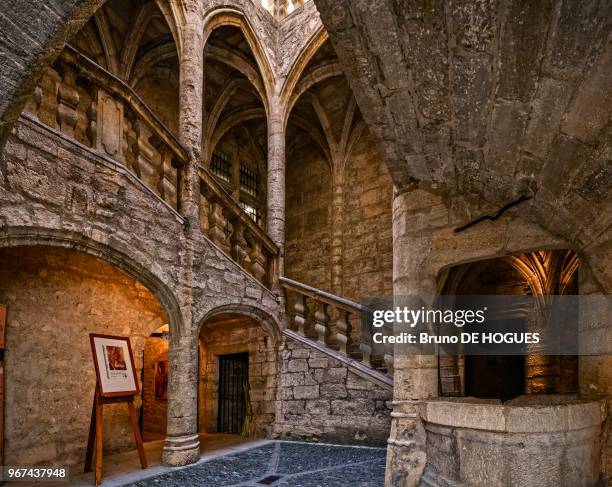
<point x="233" y="378"/>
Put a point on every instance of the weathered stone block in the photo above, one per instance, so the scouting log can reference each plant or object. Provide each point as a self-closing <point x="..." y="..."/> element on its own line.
<point x="306" y="392"/>
<point x="296" y="365"/>
<point x="333" y="391"/>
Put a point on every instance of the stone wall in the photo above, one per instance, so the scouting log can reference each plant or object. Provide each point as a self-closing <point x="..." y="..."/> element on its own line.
<point x="367" y="259"/>
<point x="426" y="246"/>
<point x="366" y="235"/>
<point x="537" y="440"/>
<point x="154" y="410"/>
<point x="321" y="400"/>
<point x="243" y="336"/>
<point x="308" y="217"/>
<point x="54" y="300"/>
<point x="595" y="371"/>
<point x="57" y="193"/>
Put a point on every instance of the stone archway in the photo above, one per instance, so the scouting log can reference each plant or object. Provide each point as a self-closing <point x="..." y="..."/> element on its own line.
<point x="55" y="297"/>
<point x="238" y="344"/>
<point x="46" y="237"/>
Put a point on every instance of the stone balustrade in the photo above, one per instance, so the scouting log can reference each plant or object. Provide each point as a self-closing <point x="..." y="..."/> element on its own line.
<point x="84" y="101"/>
<point x="332" y="321"/>
<point x="91" y="105"/>
<point x="233" y="231"/>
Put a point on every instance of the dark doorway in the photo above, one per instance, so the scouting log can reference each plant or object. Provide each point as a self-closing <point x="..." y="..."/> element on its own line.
<point x="494" y="376"/>
<point x="233" y="378"/>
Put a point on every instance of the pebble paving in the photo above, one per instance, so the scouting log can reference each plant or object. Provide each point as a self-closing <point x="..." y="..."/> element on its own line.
<point x="286" y="464"/>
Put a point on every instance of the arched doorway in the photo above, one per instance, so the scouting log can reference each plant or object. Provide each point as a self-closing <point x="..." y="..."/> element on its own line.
<point x="540" y="274"/>
<point x="54" y="298"/>
<point x="238" y="374"/>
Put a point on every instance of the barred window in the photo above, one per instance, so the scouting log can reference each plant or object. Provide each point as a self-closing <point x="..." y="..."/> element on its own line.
<point x="221" y="165"/>
<point x="249" y="180"/>
<point x="251" y="211"/>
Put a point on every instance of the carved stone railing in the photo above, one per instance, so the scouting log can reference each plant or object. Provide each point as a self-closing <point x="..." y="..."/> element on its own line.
<point x="91" y="105"/>
<point x="83" y="100"/>
<point x="235" y="232"/>
<point x="332" y="322"/>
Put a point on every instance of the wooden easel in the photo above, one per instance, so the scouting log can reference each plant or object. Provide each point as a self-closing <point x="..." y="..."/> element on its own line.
<point x="95" y="431"/>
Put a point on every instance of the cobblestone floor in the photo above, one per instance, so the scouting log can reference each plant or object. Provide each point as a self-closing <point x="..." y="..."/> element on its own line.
<point x="284" y="464"/>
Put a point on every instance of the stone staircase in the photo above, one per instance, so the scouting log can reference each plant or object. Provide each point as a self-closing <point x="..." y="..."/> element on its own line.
<point x="99" y="111"/>
<point x="335" y="326"/>
<point x="117" y="124"/>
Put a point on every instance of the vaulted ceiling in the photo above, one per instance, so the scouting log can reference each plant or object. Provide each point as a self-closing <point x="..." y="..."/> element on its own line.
<point x="488" y="100"/>
<point x="324" y="112"/>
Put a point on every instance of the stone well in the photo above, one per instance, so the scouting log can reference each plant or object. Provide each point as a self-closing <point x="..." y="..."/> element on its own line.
<point x="529" y="441"/>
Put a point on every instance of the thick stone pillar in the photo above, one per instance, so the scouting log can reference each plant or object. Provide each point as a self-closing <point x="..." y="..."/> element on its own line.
<point x="191" y="88"/>
<point x="415" y="376"/>
<point x="182" y="445"/>
<point x="276" y="180"/>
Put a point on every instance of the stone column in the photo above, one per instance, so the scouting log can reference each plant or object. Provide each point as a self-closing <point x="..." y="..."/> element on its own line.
<point x="276" y="180"/>
<point x="182" y="445"/>
<point x="191" y="88"/>
<point x="337" y="229"/>
<point x="415" y="376"/>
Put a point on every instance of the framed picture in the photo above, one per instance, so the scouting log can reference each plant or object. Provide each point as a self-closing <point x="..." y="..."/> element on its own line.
<point x="161" y="380"/>
<point x="114" y="364"/>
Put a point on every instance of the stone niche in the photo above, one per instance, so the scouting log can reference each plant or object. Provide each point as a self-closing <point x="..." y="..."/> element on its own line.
<point x="547" y="440"/>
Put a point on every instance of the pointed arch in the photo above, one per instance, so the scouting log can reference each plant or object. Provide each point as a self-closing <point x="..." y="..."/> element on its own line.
<point x="239" y="63"/>
<point x="216" y="111"/>
<point x="313" y="99"/>
<point x="317" y="136"/>
<point x="160" y="72"/>
<point x="321" y="73"/>
<point x="312" y="46"/>
<point x="174" y="14"/>
<point x="231" y="17"/>
<point x="90" y="35"/>
<point x="352" y="140"/>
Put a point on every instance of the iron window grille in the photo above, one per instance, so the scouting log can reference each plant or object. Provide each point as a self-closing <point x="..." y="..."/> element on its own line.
<point x="249" y="180"/>
<point x="251" y="211"/>
<point x="221" y="165"/>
